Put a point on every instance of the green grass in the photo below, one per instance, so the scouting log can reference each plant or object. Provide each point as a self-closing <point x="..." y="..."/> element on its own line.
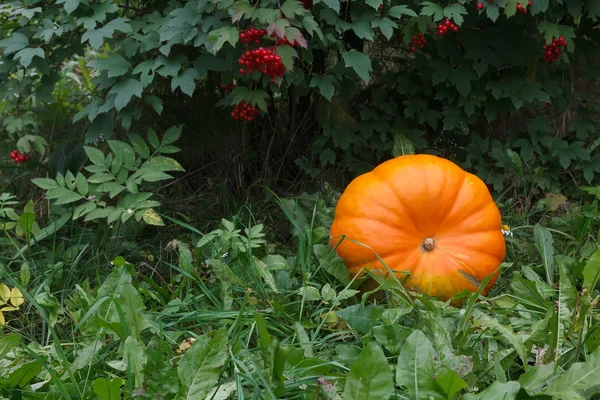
<point x="246" y="311"/>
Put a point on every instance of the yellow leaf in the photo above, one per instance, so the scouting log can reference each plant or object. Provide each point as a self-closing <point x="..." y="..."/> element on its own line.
<point x="16" y="297"/>
<point x="8" y="308"/>
<point x="2" y="321"/>
<point x="152" y="218"/>
<point x="4" y="293"/>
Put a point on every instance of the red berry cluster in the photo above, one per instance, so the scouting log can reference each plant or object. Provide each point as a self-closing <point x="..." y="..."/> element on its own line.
<point x="18" y="157"/>
<point x="244" y="111"/>
<point x="252" y="35"/>
<point x="553" y="50"/>
<point x="284" y="41"/>
<point x="447" y="26"/>
<point x="417" y="41"/>
<point x="228" y="87"/>
<point x="522" y="9"/>
<point x="262" y="60"/>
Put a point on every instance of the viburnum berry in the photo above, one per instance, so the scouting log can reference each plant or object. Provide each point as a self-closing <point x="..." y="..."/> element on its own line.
<point x="244" y="111"/>
<point x="480" y="6"/>
<point x="262" y="60"/>
<point x="381" y="7"/>
<point x="553" y="51"/>
<point x="522" y="9"/>
<point x="252" y="35"/>
<point x="418" y="41"/>
<point x="18" y="157"/>
<point x="446" y="26"/>
<point x="228" y="87"/>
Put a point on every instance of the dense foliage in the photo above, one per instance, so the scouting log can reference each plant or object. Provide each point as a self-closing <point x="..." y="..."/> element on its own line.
<point x="104" y="101"/>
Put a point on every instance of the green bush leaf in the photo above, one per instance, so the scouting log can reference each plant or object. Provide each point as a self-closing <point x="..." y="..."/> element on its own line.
<point x="370" y="377"/>
<point x="359" y="62"/>
<point x="415" y="370"/>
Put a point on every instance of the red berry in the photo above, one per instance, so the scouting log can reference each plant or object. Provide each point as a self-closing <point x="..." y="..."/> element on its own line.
<point x="480" y="6"/>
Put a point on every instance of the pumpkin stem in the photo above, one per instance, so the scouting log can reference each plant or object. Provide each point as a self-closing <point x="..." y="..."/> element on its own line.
<point x="429" y="244"/>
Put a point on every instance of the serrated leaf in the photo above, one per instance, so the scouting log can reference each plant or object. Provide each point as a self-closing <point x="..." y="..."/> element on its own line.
<point x="549" y="30"/>
<point x="16" y="41"/>
<point x="107" y="389"/>
<point x="226" y="34"/>
<point x="399" y="11"/>
<point x="455" y="12"/>
<point x="26" y="55"/>
<point x="359" y="62"/>
<point x="325" y="84"/>
<point x="96" y="36"/>
<point x="385" y="25"/>
<point x="125" y="90"/>
<point x="333" y="4"/>
<point x="185" y="81"/>
<point x="287" y="54"/>
<point x="114" y="64"/>
<point x="432" y="10"/>
<point x="370" y="377"/>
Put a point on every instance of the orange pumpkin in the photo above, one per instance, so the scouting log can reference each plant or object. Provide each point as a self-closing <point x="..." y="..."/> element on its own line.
<point x="425" y="215"/>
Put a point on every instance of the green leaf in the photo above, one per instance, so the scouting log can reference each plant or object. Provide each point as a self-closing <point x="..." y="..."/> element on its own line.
<point x="399" y="11"/>
<point x="370" y="377"/>
<point x="185" y="81"/>
<point x="291" y="8"/>
<point x="101" y="127"/>
<point x="549" y="30"/>
<point x="325" y="84"/>
<point x="592" y="7"/>
<point x="26" y="55"/>
<point x="107" y="390"/>
<point x="455" y="12"/>
<point x="125" y="90"/>
<point x="81" y="184"/>
<point x="583" y="379"/>
<point x="539" y="6"/>
<point x="537" y="377"/>
<point x="161" y="163"/>
<point x="431" y="9"/>
<point x="331" y="262"/>
<point x="497" y="391"/>
<point x="545" y="245"/>
<point x="133" y="308"/>
<point x="70" y="5"/>
<point x="333" y="4"/>
<point x="155" y="102"/>
<point x="9" y="342"/>
<point x="582" y="126"/>
<point x="114" y="64"/>
<point x="591" y="271"/>
<point x="360" y="62"/>
<point x="96" y="36"/>
<point x="226" y="34"/>
<point x="83" y="209"/>
<point x="45" y="183"/>
<point x="385" y="25"/>
<point x="134" y="357"/>
<point x="402" y="145"/>
<point x="461" y="78"/>
<point x="415" y="369"/>
<point x="16" y="41"/>
<point x="449" y="383"/>
<point x="200" y="367"/>
<point x="287" y="54"/>
<point x="85" y="357"/>
<point x="360" y="318"/>
<point x="139" y="145"/>
<point x="21" y="376"/>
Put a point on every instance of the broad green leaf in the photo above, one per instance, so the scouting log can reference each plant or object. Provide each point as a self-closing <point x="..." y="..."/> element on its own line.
<point x="133" y="307"/>
<point x="200" y="367"/>
<point x="139" y="145"/>
<point x="545" y="245"/>
<point x="325" y="84"/>
<point x="26" y="55"/>
<point x="114" y="65"/>
<point x="582" y="378"/>
<point x="291" y="8"/>
<point x="332" y="263"/>
<point x="85" y="357"/>
<point x="8" y="343"/>
<point x="161" y="163"/>
<point x="333" y="4"/>
<point x="385" y="25"/>
<point x="135" y="359"/>
<point x="497" y="391"/>
<point x="399" y="11"/>
<point x="415" y="370"/>
<point x="14" y="43"/>
<point x="125" y="90"/>
<point x="549" y="30"/>
<point x="539" y="6"/>
<point x="45" y="183"/>
<point x="507" y="332"/>
<point x="534" y="379"/>
<point x="171" y="135"/>
<point x="22" y="376"/>
<point x="108" y="389"/>
<point x="402" y="145"/>
<point x="449" y="383"/>
<point x="370" y="377"/>
<point x="455" y="12"/>
<point x="96" y="36"/>
<point x="591" y="271"/>
<point x="429" y="9"/>
<point x="360" y="62"/>
<point x="186" y="81"/>
<point x="360" y="318"/>
<point x="226" y="34"/>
